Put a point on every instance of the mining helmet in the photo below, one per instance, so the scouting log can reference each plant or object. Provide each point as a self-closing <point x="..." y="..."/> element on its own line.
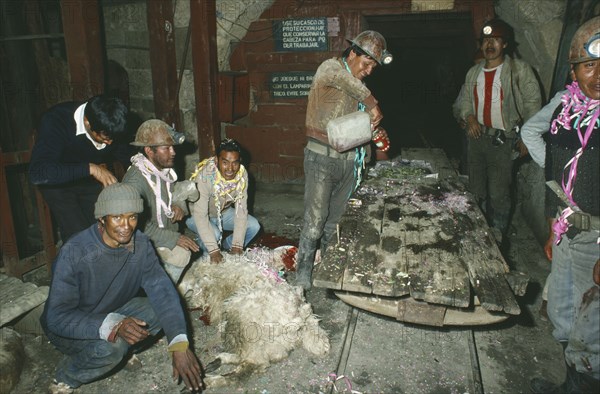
<point x="497" y="28"/>
<point x="586" y="42"/>
<point x="373" y="44"/>
<point x="155" y="132"/>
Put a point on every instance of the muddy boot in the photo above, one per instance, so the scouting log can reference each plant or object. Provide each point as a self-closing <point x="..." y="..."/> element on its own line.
<point x="304" y="263"/>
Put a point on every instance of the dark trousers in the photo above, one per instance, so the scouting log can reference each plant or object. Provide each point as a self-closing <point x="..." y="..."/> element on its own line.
<point x="87" y="360"/>
<point x="490" y="177"/>
<point x="72" y="206"/>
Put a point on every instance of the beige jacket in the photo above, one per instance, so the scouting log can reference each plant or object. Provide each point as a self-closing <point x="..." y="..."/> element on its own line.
<point x="206" y="208"/>
<point x="334" y="93"/>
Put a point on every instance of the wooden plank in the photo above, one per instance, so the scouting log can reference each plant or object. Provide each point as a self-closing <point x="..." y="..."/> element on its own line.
<point x="204" y="60"/>
<point x="412" y="311"/>
<point x="436" y="157"/>
<point x="363" y="255"/>
<point x="163" y="61"/>
<point x="329" y="273"/>
<point x="472" y="316"/>
<point x="83" y="43"/>
<point x="18" y="298"/>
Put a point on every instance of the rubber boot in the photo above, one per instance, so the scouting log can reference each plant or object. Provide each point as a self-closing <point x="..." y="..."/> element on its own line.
<point x="304" y="263"/>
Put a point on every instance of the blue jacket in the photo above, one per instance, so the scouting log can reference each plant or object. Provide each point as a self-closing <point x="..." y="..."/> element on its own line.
<point x="91" y="280"/>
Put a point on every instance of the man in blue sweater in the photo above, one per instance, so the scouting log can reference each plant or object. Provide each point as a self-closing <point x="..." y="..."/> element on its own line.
<point x="72" y="157"/>
<point x="92" y="314"/>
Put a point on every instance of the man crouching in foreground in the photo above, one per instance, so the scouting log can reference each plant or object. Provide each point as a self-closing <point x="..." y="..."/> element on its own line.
<point x="92" y="314"/>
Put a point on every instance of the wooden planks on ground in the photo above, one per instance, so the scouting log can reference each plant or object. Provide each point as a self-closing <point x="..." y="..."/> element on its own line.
<point x="422" y="237"/>
<point x="18" y="298"/>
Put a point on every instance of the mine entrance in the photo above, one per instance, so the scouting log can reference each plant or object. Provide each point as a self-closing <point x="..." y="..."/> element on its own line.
<point x="432" y="53"/>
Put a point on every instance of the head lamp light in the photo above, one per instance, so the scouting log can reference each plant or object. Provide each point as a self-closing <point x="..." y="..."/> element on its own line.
<point x="592" y="47"/>
<point x="386" y="57"/>
<point x="178" y="138"/>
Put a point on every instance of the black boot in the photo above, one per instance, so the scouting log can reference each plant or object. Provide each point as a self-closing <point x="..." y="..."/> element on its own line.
<point x="304" y="263"/>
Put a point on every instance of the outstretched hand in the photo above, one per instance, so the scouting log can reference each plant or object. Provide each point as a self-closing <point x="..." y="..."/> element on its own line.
<point x="186" y="367"/>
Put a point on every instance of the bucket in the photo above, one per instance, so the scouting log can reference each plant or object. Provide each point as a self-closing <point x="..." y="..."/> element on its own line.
<point x="349" y="131"/>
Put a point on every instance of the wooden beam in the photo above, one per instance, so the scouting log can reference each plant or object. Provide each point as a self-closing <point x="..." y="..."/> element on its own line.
<point x="83" y="41"/>
<point x="204" y="60"/>
<point x="163" y="61"/>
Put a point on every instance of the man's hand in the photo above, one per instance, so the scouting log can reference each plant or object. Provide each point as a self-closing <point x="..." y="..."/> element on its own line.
<point x="550" y="240"/>
<point x="102" y="175"/>
<point x="186" y="367"/>
<point x="548" y="247"/>
<point x="376" y="117"/>
<point x="216" y="257"/>
<point x="131" y="330"/>
<point x="187" y="243"/>
<point x="178" y="213"/>
<point x="597" y="272"/>
<point x="473" y="127"/>
<point x="522" y="148"/>
<point x="236" y="250"/>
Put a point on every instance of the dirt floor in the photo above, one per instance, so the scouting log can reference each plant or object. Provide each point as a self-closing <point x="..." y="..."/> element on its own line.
<point x="369" y="353"/>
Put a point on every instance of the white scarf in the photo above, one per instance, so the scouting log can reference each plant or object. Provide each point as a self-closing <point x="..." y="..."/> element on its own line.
<point x="167" y="175"/>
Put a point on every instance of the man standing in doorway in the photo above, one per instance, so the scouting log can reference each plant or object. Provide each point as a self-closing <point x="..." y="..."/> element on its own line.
<point x="71" y="158"/>
<point x="330" y="176"/>
<point x="152" y="175"/>
<point x="500" y="94"/>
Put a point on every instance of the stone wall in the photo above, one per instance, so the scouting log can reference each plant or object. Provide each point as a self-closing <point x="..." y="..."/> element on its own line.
<point x="126" y="35"/>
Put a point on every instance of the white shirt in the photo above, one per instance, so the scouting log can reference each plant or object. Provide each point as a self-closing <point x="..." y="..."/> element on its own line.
<point x="79" y="121"/>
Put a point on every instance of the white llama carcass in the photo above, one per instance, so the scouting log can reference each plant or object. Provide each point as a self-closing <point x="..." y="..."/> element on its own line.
<point x="261" y="318"/>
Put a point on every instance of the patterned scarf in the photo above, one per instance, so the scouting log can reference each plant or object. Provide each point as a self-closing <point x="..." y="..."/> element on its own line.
<point x="222" y="188"/>
<point x="584" y="111"/>
<point x="167" y="175"/>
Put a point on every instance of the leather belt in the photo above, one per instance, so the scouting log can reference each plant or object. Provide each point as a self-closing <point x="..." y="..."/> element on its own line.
<point x="328" y="151"/>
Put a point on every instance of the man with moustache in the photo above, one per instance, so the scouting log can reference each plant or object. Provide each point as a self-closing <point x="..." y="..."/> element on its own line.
<point x="93" y="314"/>
<point x="152" y="175"/>
<point x="222" y="182"/>
<point x="501" y="92"/>
<point x="330" y="176"/>
<point x="570" y="155"/>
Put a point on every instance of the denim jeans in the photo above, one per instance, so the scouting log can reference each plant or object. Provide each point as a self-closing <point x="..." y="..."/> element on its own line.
<point x="574" y="302"/>
<point x="228" y="220"/>
<point x="87" y="360"/>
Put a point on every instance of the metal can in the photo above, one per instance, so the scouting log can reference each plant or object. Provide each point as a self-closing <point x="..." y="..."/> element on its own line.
<point x="381" y="142"/>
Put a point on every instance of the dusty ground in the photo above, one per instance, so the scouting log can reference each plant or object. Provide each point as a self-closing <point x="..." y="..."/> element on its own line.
<point x="376" y="355"/>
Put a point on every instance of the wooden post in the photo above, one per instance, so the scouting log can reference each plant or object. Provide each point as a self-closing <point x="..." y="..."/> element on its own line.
<point x="204" y="60"/>
<point x="83" y="41"/>
<point x="163" y="61"/>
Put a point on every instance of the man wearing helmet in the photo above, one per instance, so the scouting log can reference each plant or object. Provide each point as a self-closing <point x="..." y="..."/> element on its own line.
<point x="152" y="175"/>
<point x="331" y="176"/>
<point x="571" y="158"/>
<point x="501" y="93"/>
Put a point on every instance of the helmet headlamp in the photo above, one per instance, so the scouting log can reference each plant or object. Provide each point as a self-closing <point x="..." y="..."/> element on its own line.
<point x="178" y="138"/>
<point x="592" y="46"/>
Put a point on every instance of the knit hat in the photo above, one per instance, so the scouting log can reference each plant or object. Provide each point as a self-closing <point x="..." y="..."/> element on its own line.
<point x="116" y="199"/>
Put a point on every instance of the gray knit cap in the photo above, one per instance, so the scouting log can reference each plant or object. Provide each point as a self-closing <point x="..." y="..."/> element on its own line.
<point x="118" y="198"/>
